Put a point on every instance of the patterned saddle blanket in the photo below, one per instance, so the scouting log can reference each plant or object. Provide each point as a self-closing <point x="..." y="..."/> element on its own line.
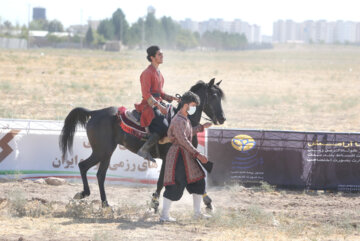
<point x="129" y="121"/>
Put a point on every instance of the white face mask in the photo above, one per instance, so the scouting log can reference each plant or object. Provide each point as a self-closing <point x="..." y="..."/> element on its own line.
<point x="191" y="110"/>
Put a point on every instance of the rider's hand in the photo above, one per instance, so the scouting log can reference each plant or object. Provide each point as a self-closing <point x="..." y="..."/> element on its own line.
<point x="162" y="109"/>
<point x="202" y="158"/>
<point x="207" y="124"/>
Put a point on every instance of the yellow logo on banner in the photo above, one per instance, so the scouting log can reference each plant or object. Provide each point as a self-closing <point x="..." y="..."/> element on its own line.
<point x="243" y="143"/>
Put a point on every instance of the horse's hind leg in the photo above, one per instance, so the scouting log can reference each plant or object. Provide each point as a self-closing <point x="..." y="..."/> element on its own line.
<point x="84" y="167"/>
<point x="101" y="174"/>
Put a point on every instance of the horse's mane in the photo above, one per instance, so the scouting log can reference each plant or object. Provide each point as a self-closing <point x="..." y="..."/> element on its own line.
<point x="201" y="84"/>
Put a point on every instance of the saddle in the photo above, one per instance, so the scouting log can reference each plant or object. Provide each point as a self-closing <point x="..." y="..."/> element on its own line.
<point x="129" y="121"/>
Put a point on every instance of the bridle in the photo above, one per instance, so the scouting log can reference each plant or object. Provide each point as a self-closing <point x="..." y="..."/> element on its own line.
<point x="205" y="103"/>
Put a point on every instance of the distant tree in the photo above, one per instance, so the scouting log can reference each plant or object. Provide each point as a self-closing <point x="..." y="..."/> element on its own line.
<point x="40" y="24"/>
<point x="106" y="29"/>
<point x="89" y="37"/>
<point x="233" y="41"/>
<point x="135" y="34"/>
<point x="8" y="24"/>
<point x="186" y="40"/>
<point x="153" y="31"/>
<point x="120" y="24"/>
<point x="212" y="39"/>
<point x="164" y="32"/>
<point x="98" y="39"/>
<point x="223" y="40"/>
<point x="24" y="32"/>
<point x="55" y="39"/>
<point x="55" y="26"/>
<point x="75" y="39"/>
<point x="171" y="30"/>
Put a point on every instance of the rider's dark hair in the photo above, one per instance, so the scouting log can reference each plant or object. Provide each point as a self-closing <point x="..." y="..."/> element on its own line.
<point x="151" y="51"/>
<point x="189" y="97"/>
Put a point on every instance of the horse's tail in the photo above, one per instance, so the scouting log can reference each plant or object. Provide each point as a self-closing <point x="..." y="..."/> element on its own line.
<point x="76" y="116"/>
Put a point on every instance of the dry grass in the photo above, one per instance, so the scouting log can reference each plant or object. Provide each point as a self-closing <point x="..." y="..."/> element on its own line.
<point x="261" y="213"/>
<point x="292" y="87"/>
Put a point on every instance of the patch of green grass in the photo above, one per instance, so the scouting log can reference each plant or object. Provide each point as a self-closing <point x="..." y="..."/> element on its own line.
<point x="20" y="68"/>
<point x="267" y="187"/>
<point x="257" y="69"/>
<point x="292" y="228"/>
<point x="5" y="85"/>
<point x="345" y="104"/>
<point x="50" y="231"/>
<point x="17" y="203"/>
<point x="102" y="98"/>
<point x="79" y="86"/>
<point x="235" y="218"/>
<point x="260" y="101"/>
<point x="102" y="236"/>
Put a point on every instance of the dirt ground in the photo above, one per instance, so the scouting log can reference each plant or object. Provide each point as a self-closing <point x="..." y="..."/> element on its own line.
<point x="33" y="211"/>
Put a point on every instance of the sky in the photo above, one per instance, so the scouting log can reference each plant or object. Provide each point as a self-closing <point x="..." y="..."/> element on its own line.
<point x="260" y="12"/>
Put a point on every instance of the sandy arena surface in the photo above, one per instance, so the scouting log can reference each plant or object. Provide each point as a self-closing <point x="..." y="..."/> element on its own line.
<point x="33" y="211"/>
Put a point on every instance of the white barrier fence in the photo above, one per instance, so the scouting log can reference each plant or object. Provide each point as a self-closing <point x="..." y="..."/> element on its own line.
<point x="13" y="43"/>
<point x="30" y="149"/>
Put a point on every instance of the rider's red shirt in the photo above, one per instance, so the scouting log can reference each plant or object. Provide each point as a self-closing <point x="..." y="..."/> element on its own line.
<point x="152" y="83"/>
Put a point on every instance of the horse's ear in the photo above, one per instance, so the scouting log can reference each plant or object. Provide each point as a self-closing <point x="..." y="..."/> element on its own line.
<point x="218" y="83"/>
<point x="211" y="83"/>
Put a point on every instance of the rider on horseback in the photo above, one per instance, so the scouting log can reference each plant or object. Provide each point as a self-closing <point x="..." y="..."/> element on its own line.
<point x="152" y="108"/>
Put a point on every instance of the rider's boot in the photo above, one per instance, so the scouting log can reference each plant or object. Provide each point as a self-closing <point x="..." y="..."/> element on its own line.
<point x="197" y="211"/>
<point x="165" y="216"/>
<point x="145" y="149"/>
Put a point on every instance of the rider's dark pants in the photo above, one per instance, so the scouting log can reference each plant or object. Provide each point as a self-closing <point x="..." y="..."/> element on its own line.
<point x="174" y="192"/>
<point x="159" y="124"/>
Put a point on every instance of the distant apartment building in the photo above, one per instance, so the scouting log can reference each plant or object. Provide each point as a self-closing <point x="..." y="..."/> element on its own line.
<point x="319" y="31"/>
<point x="39" y="13"/>
<point x="190" y="25"/>
<point x="252" y="32"/>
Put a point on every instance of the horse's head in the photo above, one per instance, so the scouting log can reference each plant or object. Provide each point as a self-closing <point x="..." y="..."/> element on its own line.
<point x="211" y="96"/>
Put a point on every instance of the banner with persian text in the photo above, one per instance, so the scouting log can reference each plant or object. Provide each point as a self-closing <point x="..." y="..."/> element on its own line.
<point x="30" y="149"/>
<point x="315" y="160"/>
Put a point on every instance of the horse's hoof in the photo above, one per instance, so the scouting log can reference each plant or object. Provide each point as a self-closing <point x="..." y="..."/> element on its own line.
<point x="80" y="195"/>
<point x="155" y="202"/>
<point x="210" y="209"/>
<point x="105" y="204"/>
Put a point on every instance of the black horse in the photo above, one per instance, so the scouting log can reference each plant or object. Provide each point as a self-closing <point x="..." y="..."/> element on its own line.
<point x="104" y="134"/>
